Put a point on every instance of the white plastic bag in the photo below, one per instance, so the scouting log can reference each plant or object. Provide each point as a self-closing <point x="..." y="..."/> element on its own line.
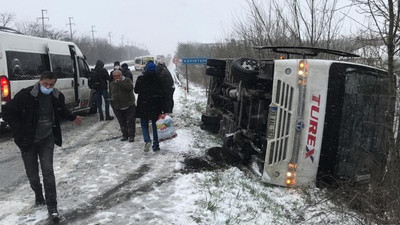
<point x="165" y="128"/>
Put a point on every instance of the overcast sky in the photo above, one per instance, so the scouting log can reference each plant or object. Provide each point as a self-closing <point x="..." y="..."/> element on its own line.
<point x="157" y="25"/>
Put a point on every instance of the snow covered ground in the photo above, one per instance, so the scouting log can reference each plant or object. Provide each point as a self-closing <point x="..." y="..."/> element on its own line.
<point x="102" y="180"/>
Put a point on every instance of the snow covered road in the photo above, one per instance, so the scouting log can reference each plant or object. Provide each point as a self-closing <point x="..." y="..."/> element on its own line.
<point x="102" y="180"/>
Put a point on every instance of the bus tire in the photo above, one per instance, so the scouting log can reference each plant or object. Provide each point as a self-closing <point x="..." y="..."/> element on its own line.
<point x="245" y="69"/>
<point x="219" y="63"/>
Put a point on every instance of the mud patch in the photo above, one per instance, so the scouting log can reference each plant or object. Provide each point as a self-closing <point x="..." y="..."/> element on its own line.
<point x="216" y="158"/>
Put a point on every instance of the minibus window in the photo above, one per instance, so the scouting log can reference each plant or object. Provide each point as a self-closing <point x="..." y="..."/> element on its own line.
<point x="83" y="68"/>
<point x="26" y="66"/>
<point x="63" y="66"/>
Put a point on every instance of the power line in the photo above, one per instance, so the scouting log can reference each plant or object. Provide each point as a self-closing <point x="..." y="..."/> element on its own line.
<point x="43" y="18"/>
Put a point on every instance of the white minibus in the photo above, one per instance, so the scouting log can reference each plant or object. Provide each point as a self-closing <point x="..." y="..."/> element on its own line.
<point x="140" y="62"/>
<point x="23" y="58"/>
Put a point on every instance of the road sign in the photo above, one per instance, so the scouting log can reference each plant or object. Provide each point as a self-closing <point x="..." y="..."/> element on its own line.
<point x="175" y="60"/>
<point x="194" y="61"/>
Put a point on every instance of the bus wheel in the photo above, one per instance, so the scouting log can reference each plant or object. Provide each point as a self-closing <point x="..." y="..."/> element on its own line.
<point x="245" y="69"/>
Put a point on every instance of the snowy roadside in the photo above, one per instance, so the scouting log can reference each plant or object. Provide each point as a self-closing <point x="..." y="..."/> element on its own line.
<point x="102" y="180"/>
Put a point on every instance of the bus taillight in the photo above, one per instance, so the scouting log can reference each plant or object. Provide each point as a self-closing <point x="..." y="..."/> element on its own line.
<point x="291" y="174"/>
<point x="5" y="89"/>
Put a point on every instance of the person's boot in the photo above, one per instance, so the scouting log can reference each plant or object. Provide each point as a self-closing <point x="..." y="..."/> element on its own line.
<point x="54" y="216"/>
<point x="101" y="117"/>
<point x="124" y="138"/>
<point x="39" y="200"/>
<point x="108" y="117"/>
<point x="131" y="139"/>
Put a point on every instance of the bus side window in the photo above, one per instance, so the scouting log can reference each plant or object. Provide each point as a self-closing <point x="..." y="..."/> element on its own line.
<point x="63" y="66"/>
<point x="25" y="66"/>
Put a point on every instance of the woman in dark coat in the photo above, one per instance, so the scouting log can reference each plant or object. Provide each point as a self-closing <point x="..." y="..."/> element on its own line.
<point x="149" y="103"/>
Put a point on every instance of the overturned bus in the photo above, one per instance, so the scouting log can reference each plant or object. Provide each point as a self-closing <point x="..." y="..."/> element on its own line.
<point x="300" y="121"/>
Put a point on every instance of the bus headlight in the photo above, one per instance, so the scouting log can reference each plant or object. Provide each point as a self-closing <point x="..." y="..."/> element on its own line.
<point x="291" y="174"/>
<point x="302" y="72"/>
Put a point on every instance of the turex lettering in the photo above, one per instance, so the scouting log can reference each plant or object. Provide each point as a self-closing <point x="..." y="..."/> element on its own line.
<point x="313" y="127"/>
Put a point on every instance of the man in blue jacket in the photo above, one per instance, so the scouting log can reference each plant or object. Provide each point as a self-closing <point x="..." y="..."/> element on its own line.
<point x="34" y="117"/>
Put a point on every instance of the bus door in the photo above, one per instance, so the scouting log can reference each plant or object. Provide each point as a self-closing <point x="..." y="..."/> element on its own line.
<point x="84" y="90"/>
<point x="74" y="59"/>
<point x="62" y="63"/>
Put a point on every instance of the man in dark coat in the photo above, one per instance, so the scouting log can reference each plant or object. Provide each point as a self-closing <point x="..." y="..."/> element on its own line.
<point x="117" y="66"/>
<point x="34" y="117"/>
<point x="126" y="72"/>
<point x="102" y="90"/>
<point x="123" y="104"/>
<point x="150" y="103"/>
<point x="168" y="86"/>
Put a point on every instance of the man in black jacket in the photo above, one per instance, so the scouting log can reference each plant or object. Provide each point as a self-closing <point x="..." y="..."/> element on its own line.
<point x="34" y="117"/>
<point x="168" y="86"/>
<point x="150" y="103"/>
<point x="126" y="72"/>
<point x="101" y="91"/>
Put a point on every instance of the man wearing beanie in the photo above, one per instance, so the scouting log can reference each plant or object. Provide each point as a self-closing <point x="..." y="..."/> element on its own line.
<point x="126" y="72"/>
<point x="116" y="67"/>
<point x="149" y="103"/>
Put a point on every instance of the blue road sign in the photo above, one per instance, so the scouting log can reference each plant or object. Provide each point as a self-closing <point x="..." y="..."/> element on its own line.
<point x="194" y="61"/>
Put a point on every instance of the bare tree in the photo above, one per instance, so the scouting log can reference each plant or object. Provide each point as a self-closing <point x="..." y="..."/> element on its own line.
<point x="381" y="201"/>
<point x="259" y="26"/>
<point x="35" y="29"/>
<point x="6" y="19"/>
<point x="310" y="22"/>
<point x="290" y="22"/>
<point x="386" y="20"/>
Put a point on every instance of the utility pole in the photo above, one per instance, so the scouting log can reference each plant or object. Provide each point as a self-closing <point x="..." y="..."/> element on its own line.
<point x="122" y="40"/>
<point x="70" y="26"/>
<point x="43" y="18"/>
<point x="93" y="33"/>
<point x="128" y="48"/>
<point x="109" y="37"/>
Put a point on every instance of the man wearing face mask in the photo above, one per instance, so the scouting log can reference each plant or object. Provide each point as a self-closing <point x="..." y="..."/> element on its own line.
<point x="117" y="66"/>
<point x="34" y="117"/>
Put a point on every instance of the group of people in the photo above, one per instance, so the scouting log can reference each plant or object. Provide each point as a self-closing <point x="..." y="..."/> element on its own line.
<point x="34" y="117"/>
<point x="155" y="89"/>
